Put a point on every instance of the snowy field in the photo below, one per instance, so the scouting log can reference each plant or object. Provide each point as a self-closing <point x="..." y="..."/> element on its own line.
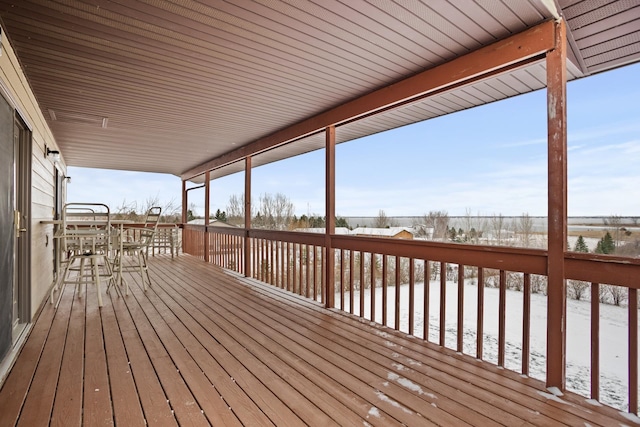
<point x="613" y="333"/>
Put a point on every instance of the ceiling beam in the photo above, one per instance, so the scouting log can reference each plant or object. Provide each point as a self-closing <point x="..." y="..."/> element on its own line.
<point x="502" y="54"/>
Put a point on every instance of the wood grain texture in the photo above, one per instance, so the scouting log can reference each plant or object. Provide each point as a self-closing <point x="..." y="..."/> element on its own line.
<point x="206" y="347"/>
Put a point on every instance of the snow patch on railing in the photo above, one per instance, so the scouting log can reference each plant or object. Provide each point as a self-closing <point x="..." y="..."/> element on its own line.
<point x="631" y="417"/>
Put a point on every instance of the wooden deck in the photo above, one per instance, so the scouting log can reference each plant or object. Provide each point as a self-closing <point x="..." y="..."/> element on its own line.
<point x="203" y="347"/>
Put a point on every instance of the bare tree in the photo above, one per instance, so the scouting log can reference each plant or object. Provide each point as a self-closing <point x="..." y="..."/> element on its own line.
<point x="474" y="227"/>
<point x="618" y="294"/>
<point x="615" y="222"/>
<point x="126" y="210"/>
<point x="235" y="209"/>
<point x="497" y="227"/>
<point x="275" y="211"/>
<point x="524" y="228"/>
<point x="382" y="220"/>
<point x="515" y="281"/>
<point x="577" y="289"/>
<point x="538" y="284"/>
<point x="438" y="221"/>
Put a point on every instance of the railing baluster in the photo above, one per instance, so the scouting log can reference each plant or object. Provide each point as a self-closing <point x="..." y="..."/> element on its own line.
<point x="289" y="262"/>
<point x="307" y="288"/>
<point x="265" y="263"/>
<point x="315" y="271"/>
<point x="397" y="300"/>
<point x="526" y="323"/>
<point x="384" y="290"/>
<point x="268" y="257"/>
<point x="323" y="282"/>
<point x="501" y="317"/>
<point x="633" y="350"/>
<point x="301" y="270"/>
<point x="595" y="341"/>
<point x="443" y="301"/>
<point x="425" y="306"/>
<point x="254" y="248"/>
<point x="239" y="254"/>
<point x="280" y="262"/>
<point x="277" y="282"/>
<point x="342" y="287"/>
<point x="322" y="274"/>
<point x="412" y="295"/>
<point x="372" y="287"/>
<point x="295" y="267"/>
<point x="256" y="258"/>
<point x="460" y="337"/>
<point x="361" y="284"/>
<point x="480" y="312"/>
<point x="351" y="277"/>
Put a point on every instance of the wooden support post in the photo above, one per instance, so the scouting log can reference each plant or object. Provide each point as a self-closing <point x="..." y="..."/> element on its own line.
<point x="184" y="212"/>
<point x="330" y="215"/>
<point x="207" y="212"/>
<point x="247" y="216"/>
<point x="557" y="208"/>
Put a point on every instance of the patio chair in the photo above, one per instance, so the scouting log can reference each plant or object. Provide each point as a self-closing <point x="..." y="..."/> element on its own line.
<point x="137" y="244"/>
<point x="86" y="246"/>
<point x="167" y="237"/>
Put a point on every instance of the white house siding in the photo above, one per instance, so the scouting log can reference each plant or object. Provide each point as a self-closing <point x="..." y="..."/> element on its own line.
<point x="16" y="90"/>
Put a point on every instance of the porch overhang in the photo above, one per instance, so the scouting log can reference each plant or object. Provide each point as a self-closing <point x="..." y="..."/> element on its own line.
<point x="176" y="88"/>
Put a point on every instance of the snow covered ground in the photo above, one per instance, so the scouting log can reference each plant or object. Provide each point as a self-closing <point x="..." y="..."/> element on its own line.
<point x="613" y="333"/>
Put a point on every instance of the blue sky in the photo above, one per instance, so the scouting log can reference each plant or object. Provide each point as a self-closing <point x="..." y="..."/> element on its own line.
<point x="487" y="160"/>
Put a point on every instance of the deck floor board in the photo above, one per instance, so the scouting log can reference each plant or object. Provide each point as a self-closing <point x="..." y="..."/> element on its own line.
<point x="207" y="347"/>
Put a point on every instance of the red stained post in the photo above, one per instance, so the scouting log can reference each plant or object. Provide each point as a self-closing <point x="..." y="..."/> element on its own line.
<point x="557" y="208"/>
<point x="247" y="216"/>
<point x="207" y="212"/>
<point x="330" y="215"/>
<point x="184" y="211"/>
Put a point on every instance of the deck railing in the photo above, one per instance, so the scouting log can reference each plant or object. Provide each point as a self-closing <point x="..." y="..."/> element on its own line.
<point x="367" y="270"/>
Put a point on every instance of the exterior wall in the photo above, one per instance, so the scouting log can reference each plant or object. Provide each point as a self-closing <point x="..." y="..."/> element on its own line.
<point x="15" y="88"/>
<point x="403" y="235"/>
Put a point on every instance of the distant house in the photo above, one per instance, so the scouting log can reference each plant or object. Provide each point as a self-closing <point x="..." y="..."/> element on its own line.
<point x="213" y="221"/>
<point x="339" y="230"/>
<point x="391" y="232"/>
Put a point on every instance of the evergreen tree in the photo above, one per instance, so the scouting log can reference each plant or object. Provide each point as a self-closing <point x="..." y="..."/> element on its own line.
<point x="341" y="222"/>
<point x="221" y="215"/>
<point x="452" y="234"/>
<point x="606" y="245"/>
<point x="581" y="246"/>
